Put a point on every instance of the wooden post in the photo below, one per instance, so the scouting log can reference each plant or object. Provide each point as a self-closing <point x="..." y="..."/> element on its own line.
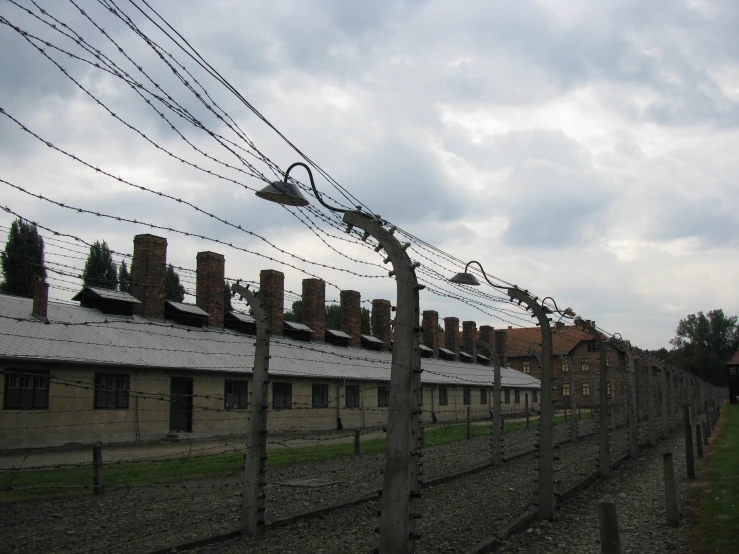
<point x="698" y="440"/>
<point x="610" y="542"/>
<point x="357" y="451"/>
<point x="670" y="490"/>
<point x="97" y="469"/>
<point x="469" y="424"/>
<point x="689" y="460"/>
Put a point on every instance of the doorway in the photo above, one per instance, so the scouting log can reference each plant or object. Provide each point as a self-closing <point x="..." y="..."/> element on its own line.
<point x="180" y="405"/>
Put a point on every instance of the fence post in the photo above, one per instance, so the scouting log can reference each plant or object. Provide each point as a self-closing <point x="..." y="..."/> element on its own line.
<point x="665" y="427"/>
<point x="670" y="490"/>
<point x="253" y="496"/>
<point x="650" y="406"/>
<point x="698" y="440"/>
<point x="610" y="542"/>
<point x="97" y="469"/>
<point x="706" y="432"/>
<point x="469" y="424"/>
<point x="689" y="461"/>
<point x="526" y="404"/>
<point x="573" y="406"/>
<point x="357" y="447"/>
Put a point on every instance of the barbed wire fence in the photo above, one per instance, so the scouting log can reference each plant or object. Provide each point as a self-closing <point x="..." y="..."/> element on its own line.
<point x="132" y="495"/>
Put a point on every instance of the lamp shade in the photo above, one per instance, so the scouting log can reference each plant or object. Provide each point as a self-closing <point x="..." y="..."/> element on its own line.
<point x="465" y="279"/>
<point x="283" y="193"/>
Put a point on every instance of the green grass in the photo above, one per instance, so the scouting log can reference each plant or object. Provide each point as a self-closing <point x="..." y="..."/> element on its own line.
<point x="50" y="483"/>
<point x="718" y="517"/>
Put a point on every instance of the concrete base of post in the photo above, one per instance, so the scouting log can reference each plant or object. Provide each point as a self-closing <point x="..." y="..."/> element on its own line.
<point x="670" y="490"/>
<point x="610" y="541"/>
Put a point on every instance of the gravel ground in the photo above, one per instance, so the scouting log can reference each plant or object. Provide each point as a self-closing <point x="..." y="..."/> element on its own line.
<point x="457" y="515"/>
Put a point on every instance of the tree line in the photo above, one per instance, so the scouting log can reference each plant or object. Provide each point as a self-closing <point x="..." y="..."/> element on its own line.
<point x="702" y="344"/>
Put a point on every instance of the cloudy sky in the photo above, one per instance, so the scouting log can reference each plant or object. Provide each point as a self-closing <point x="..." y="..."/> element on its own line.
<point x="584" y="150"/>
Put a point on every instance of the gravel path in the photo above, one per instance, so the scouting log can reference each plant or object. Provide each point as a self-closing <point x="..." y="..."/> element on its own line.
<point x="457" y="515"/>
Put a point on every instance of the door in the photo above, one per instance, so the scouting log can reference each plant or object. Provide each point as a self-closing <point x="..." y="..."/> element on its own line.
<point x="180" y="405"/>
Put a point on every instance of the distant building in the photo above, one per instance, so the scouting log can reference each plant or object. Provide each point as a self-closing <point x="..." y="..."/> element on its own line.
<point x="732" y="368"/>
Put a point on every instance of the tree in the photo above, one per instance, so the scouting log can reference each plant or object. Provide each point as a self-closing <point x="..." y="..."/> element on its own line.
<point x="173" y="289"/>
<point x="227" y="306"/>
<point x="99" y="268"/>
<point x="124" y="278"/>
<point x="22" y="261"/>
<point x="366" y="318"/>
<point x="704" y="343"/>
<point x="333" y="316"/>
<point x="296" y="314"/>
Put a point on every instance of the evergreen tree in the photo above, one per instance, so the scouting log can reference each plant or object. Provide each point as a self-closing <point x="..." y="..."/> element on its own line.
<point x="227" y="306"/>
<point x="124" y="278"/>
<point x="333" y="316"/>
<point x="366" y="327"/>
<point x="296" y="314"/>
<point x="22" y="262"/>
<point x="173" y="289"/>
<point x="99" y="268"/>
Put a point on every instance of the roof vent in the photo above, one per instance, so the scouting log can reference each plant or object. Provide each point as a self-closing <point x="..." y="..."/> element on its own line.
<point x="113" y="302"/>
<point x="185" y="314"/>
<point x="297" y="331"/>
<point x="337" y="338"/>
<point x="240" y="321"/>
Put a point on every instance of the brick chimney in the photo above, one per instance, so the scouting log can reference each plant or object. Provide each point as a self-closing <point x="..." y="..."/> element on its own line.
<point x="351" y="315"/>
<point x="148" y="274"/>
<point x="210" y="276"/>
<point x="451" y="335"/>
<point x="40" y="300"/>
<point x="469" y="339"/>
<point x="487" y="334"/>
<point x="272" y="295"/>
<point x="501" y="346"/>
<point x="314" y="307"/>
<point x="381" y="321"/>
<point x="430" y="325"/>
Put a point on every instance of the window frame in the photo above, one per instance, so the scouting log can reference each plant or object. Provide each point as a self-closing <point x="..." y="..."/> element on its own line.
<point x="506" y="396"/>
<point x="566" y="387"/>
<point x="535" y="398"/>
<point x="565" y="367"/>
<point x="584" y="364"/>
<point x="608" y="390"/>
<point x="39" y="381"/>
<point x="351" y="397"/>
<point x="467" y="396"/>
<point x="526" y="367"/>
<point x="585" y="389"/>
<point x="243" y="396"/>
<point x="120" y="397"/>
<point x="383" y="397"/>
<point x="282" y="391"/>
<point x="319" y="401"/>
<point x="443" y="396"/>
<point x="483" y="396"/>
<point x="517" y="396"/>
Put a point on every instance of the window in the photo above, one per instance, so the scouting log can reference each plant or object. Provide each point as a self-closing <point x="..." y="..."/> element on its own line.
<point x="27" y="390"/>
<point x="526" y="367"/>
<point x="565" y="366"/>
<point x="536" y="396"/>
<point x="608" y="361"/>
<point x="443" y="399"/>
<point x="565" y="389"/>
<point x="483" y="396"/>
<point x="383" y="397"/>
<point x="517" y="396"/>
<point x="282" y="396"/>
<point x="111" y="392"/>
<point x="320" y="396"/>
<point x="586" y="389"/>
<point x="507" y="396"/>
<point x="593" y="347"/>
<point x="608" y="389"/>
<point x="352" y="396"/>
<point x="236" y="395"/>
<point x="585" y="364"/>
<point x="466" y="396"/>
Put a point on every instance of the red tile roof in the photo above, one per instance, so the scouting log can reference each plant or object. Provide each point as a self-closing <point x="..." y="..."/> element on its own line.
<point x="734" y="359"/>
<point x="522" y="339"/>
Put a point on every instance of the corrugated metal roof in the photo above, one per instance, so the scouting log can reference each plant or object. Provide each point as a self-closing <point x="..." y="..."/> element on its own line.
<point x="298" y="326"/>
<point x="96" y="338"/>
<point x="447" y="352"/>
<point x="187" y="308"/>
<point x="370" y="338"/>
<point x="338" y="334"/>
<point x="108" y="294"/>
